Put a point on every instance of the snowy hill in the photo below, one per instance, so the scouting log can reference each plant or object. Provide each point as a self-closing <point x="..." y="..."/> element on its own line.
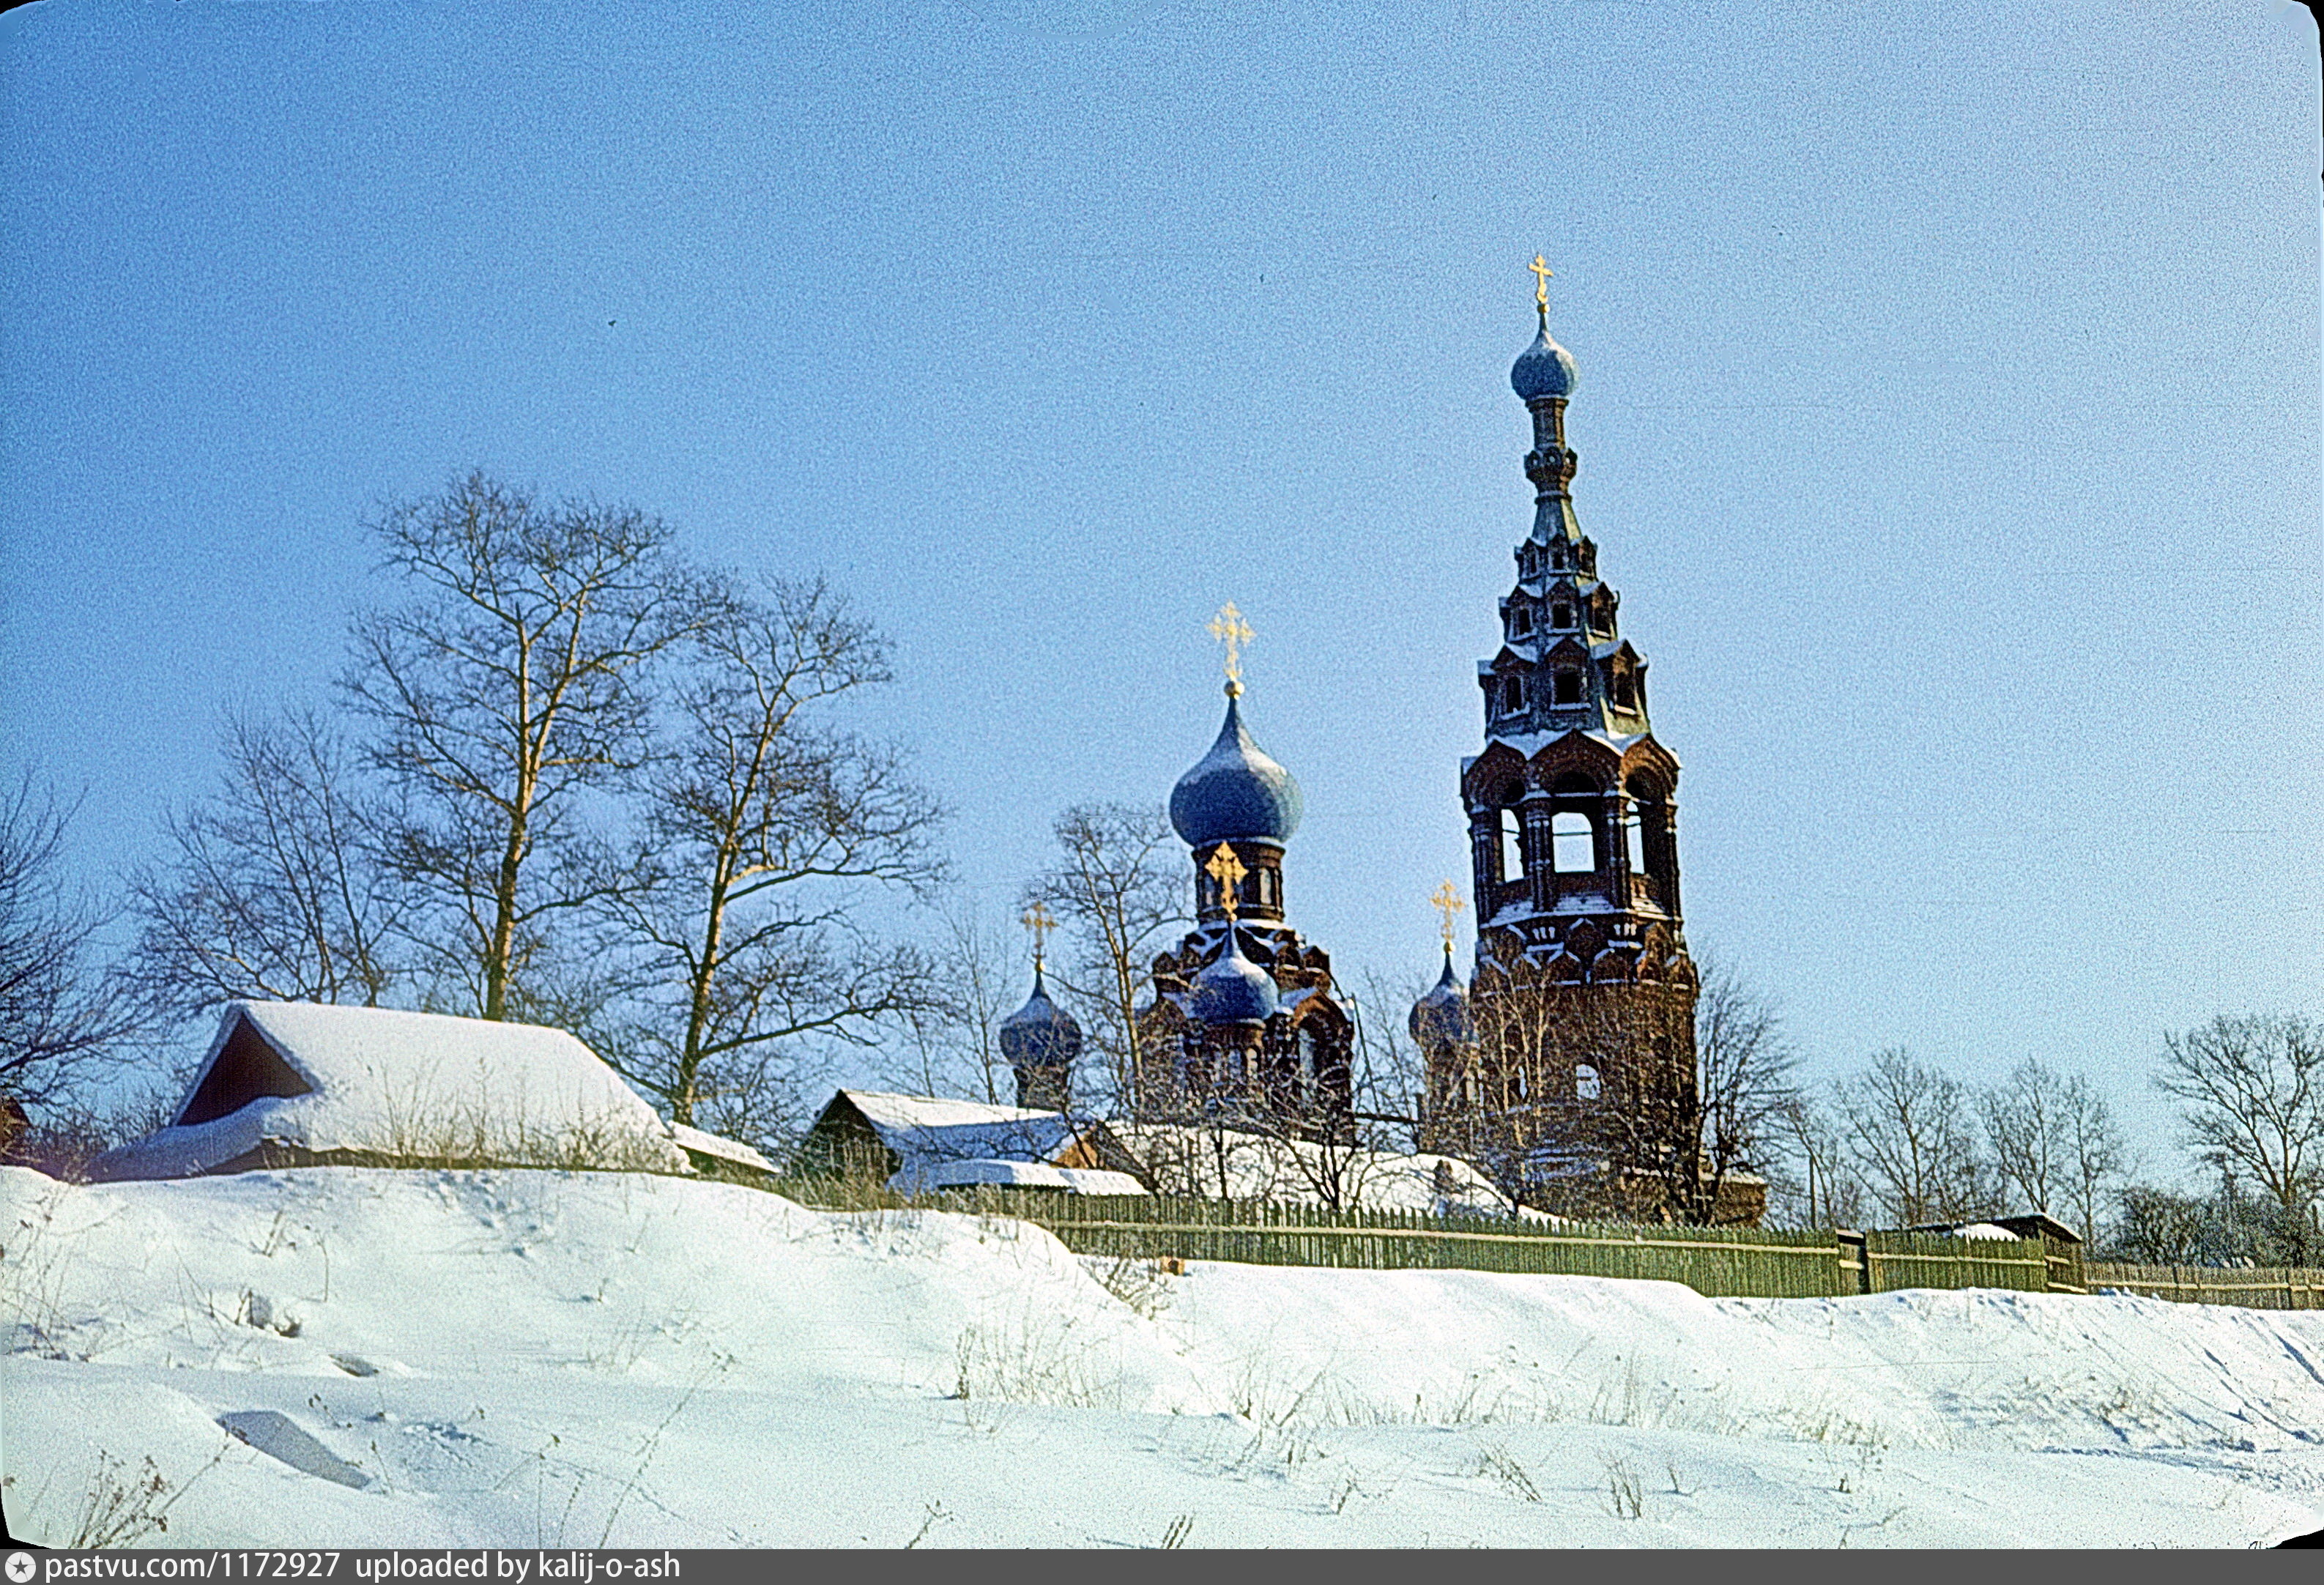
<point x="545" y="1358"/>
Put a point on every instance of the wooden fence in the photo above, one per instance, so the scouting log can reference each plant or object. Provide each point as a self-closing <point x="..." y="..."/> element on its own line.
<point x="1760" y="1263"/>
<point x="2255" y="1287"/>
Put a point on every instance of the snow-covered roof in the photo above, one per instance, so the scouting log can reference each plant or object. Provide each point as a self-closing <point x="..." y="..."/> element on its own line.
<point x="1235" y="1166"/>
<point x="377" y="1081"/>
<point x="1032" y="1175"/>
<point x="696" y="1142"/>
<point x="929" y="1129"/>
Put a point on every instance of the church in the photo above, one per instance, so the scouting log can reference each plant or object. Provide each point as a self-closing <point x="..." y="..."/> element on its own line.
<point x="1566" y="1069"/>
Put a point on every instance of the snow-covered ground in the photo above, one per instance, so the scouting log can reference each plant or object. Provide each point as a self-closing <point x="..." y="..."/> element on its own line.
<point x="544" y="1359"/>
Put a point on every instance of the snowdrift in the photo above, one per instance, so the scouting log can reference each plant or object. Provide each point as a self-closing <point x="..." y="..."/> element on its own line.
<point x="528" y="1357"/>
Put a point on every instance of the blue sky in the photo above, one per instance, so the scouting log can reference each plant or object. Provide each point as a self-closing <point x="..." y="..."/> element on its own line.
<point x="1948" y="415"/>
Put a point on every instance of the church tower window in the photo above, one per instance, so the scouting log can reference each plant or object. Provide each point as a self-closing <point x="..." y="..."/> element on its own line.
<point x="1572" y="845"/>
<point x="1520" y="622"/>
<point x="1569" y="686"/>
<point x="1561" y="616"/>
<point x="1586" y="1084"/>
<point x="1623" y="693"/>
<point x="1513" y="694"/>
<point x="1512" y="846"/>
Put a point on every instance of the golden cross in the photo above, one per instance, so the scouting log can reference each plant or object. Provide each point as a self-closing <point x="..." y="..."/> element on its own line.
<point x="1227" y="870"/>
<point x="1448" y="903"/>
<point x="1040" y="922"/>
<point x="1229" y="629"/>
<point x="1541" y="274"/>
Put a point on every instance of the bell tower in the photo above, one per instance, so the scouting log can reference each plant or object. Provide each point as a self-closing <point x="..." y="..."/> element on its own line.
<point x="1578" y="1040"/>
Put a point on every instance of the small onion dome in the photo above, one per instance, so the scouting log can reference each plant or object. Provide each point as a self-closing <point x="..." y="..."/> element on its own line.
<point x="1441" y="1017"/>
<point x="1232" y="989"/>
<point x="1040" y="1034"/>
<point x="1543" y="369"/>
<point x="1235" y="792"/>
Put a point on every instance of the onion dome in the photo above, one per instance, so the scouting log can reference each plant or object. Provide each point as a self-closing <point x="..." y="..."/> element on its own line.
<point x="1440" y="1017"/>
<point x="1544" y="369"/>
<point x="1040" y="1034"/>
<point x="1232" y="989"/>
<point x="1235" y="792"/>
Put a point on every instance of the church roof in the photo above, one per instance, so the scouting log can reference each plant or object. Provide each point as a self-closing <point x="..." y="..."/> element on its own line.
<point x="1235" y="792"/>
<point x="1443" y="1013"/>
<point x="1040" y="1034"/>
<point x="1543" y="369"/>
<point x="1232" y="989"/>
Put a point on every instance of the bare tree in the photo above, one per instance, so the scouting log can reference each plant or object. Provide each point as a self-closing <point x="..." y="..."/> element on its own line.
<point x="505" y="694"/>
<point x="59" y="1013"/>
<point x="1826" y="1191"/>
<point x="2053" y="1140"/>
<point x="955" y="1042"/>
<point x="275" y="890"/>
<point x="1908" y="1132"/>
<point x="1742" y="1093"/>
<point x="767" y="824"/>
<point x="1117" y="887"/>
<point x="2252" y="1092"/>
<point x="2098" y="1156"/>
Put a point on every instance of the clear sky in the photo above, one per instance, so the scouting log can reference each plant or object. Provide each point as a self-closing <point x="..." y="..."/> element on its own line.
<point x="1948" y="416"/>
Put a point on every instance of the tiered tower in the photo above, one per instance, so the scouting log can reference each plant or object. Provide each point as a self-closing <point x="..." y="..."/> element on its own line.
<point x="1576" y="1039"/>
<point x="1243" y="1025"/>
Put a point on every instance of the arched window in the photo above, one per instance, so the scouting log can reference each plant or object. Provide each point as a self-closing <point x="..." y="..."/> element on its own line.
<point x="1557" y="558"/>
<point x="1512" y="846"/>
<point x="1634" y="841"/>
<point x="1513" y="695"/>
<point x="1572" y="850"/>
<point x="1586" y="1085"/>
<point x="1569" y="686"/>
<point x="1520" y="621"/>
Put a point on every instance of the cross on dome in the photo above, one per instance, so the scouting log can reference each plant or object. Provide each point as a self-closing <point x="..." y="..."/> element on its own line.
<point x="1229" y="629"/>
<point x="1039" y="922"/>
<point x="1227" y="870"/>
<point x="1448" y="904"/>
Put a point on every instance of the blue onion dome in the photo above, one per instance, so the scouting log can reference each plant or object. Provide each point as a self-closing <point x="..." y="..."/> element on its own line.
<point x="1235" y="792"/>
<point x="1232" y="989"/>
<point x="1040" y="1034"/>
<point x="1543" y="369"/>
<point x="1441" y="1015"/>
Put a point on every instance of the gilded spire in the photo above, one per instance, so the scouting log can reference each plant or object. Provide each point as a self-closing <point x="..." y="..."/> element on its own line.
<point x="1448" y="904"/>
<point x="1229" y="629"/>
<point x="1038" y="921"/>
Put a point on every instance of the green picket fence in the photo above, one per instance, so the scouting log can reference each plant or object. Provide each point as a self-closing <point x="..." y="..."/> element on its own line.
<point x="1759" y="1263"/>
<point x="2254" y="1287"/>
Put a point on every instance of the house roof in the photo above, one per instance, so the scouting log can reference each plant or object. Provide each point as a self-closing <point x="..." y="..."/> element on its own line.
<point x="1033" y="1175"/>
<point x="375" y="1081"/>
<point x="928" y="1128"/>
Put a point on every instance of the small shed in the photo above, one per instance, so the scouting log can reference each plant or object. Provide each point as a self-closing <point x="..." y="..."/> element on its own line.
<point x="2033" y="1224"/>
<point x="1018" y="1174"/>
<point x="300" y="1084"/>
<point x="908" y="1141"/>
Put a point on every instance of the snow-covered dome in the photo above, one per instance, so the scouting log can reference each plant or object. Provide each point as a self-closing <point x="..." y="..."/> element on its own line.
<point x="1232" y="989"/>
<point x="1543" y="369"/>
<point x="1040" y="1034"/>
<point x="1235" y="792"/>
<point x="1442" y="1015"/>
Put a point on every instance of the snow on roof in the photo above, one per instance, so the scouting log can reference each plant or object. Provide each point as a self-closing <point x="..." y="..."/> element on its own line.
<point x="1033" y="1175"/>
<point x="928" y="1128"/>
<point x="717" y="1145"/>
<point x="1236" y="1166"/>
<point x="375" y="1081"/>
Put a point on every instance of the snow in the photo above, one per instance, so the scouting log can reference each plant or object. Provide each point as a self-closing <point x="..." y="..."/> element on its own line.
<point x="923" y="1129"/>
<point x="406" y="1084"/>
<point x="1034" y="1174"/>
<point x="541" y="1359"/>
<point x="718" y="1147"/>
<point x="1236" y="1166"/>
